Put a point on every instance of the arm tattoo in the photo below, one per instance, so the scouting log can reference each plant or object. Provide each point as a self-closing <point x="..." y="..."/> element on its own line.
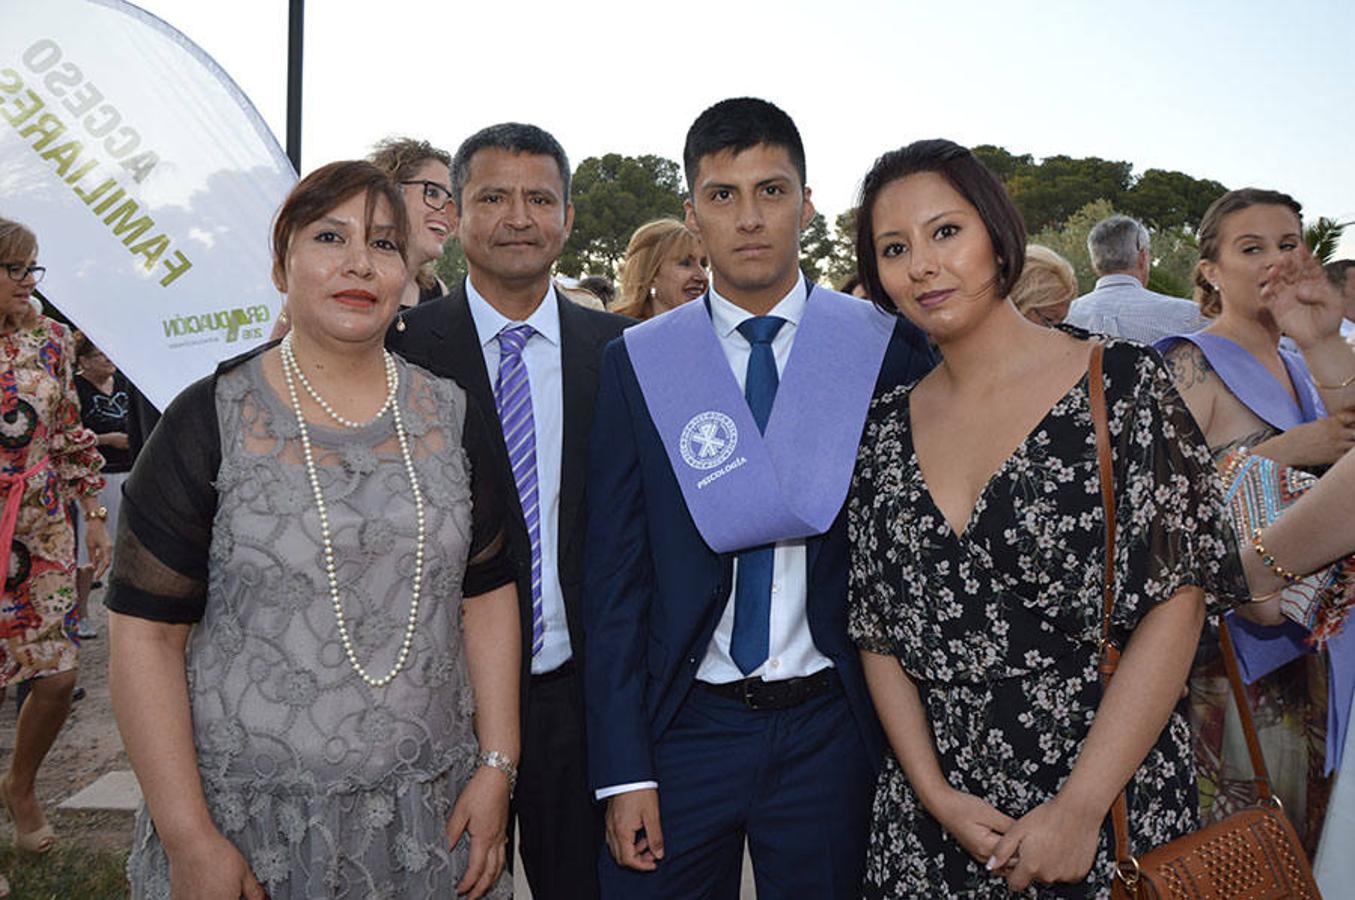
<point x="1189" y="366"/>
<point x="1246" y="440"/>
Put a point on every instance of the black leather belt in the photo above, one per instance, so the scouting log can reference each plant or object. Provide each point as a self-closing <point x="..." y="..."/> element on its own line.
<point x="565" y="670"/>
<point x="755" y="693"/>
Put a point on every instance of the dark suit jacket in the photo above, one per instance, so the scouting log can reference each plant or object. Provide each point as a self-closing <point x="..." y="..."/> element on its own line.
<point x="654" y="591"/>
<point x="440" y="336"/>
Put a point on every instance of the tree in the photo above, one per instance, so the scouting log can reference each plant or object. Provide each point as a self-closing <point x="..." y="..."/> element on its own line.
<point x="1322" y="238"/>
<point x="451" y="266"/>
<point x="1166" y="200"/>
<point x="1056" y="188"/>
<point x="843" y="264"/>
<point x="1003" y="164"/>
<point x="613" y="195"/>
<point x="816" y="249"/>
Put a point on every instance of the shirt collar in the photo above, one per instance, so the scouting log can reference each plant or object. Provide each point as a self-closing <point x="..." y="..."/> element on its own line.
<point x="728" y="316"/>
<point x="1118" y="278"/>
<point x="545" y="321"/>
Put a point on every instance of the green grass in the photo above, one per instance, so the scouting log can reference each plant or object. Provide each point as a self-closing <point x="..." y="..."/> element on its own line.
<point x="66" y="873"/>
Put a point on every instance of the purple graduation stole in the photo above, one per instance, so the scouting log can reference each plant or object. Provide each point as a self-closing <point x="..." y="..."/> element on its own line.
<point x="742" y="488"/>
<point x="1252" y="383"/>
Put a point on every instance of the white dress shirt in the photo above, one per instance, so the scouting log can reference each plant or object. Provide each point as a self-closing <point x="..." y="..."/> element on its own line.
<point x="1120" y="306"/>
<point x="541" y="355"/>
<point x="790" y="648"/>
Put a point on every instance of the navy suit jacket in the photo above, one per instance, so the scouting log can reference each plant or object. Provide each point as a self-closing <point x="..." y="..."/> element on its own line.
<point x="654" y="591"/>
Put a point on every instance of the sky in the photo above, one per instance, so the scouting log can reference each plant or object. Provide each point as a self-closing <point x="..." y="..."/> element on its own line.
<point x="1243" y="92"/>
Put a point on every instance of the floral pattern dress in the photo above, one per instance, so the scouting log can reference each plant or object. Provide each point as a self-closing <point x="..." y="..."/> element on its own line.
<point x="998" y="625"/>
<point x="47" y="457"/>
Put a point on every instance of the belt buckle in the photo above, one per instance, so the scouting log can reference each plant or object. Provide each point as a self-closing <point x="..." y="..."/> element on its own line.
<point x="748" y="685"/>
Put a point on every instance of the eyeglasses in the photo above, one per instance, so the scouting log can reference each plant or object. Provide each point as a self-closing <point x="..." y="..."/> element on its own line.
<point x="435" y="196"/>
<point x="19" y="271"/>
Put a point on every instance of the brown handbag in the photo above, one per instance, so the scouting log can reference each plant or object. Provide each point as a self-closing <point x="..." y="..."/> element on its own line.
<point x="1254" y="853"/>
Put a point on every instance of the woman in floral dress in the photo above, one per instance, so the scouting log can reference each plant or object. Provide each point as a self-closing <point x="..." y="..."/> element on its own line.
<point x="976" y="583"/>
<point x="47" y="458"/>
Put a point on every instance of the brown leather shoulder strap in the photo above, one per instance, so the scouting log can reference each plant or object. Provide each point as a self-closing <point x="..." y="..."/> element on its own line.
<point x="1096" y="389"/>
<point x="1109" y="654"/>
<point x="1260" y="774"/>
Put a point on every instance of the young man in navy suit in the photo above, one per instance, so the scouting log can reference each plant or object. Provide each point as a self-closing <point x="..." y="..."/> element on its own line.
<point x="724" y="700"/>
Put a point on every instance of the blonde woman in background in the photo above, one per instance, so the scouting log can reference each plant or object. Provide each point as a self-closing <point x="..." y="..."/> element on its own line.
<point x="665" y="266"/>
<point x="1046" y="287"/>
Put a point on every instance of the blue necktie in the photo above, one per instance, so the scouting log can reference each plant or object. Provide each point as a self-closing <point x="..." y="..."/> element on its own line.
<point x="753" y="581"/>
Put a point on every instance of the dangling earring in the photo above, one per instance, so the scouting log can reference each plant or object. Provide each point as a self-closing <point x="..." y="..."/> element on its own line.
<point x="282" y="316"/>
<point x="400" y="322"/>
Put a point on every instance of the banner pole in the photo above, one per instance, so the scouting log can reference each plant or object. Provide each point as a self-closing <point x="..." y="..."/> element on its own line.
<point x="296" y="33"/>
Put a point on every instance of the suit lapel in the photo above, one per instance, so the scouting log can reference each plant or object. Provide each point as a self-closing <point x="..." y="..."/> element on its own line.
<point x="579" y="375"/>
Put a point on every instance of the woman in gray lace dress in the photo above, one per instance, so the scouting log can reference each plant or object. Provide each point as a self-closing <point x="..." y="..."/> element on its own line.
<point x="314" y="632"/>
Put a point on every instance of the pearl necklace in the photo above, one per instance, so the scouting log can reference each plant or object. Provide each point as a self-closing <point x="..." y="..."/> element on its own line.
<point x="289" y="370"/>
<point x="289" y="355"/>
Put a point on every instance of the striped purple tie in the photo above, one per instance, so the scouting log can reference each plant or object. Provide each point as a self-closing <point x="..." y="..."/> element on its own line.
<point x="513" y="399"/>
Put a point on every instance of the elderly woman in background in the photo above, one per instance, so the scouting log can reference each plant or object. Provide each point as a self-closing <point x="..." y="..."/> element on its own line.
<point x="47" y="458"/>
<point x="313" y="622"/>
<point x="665" y="266"/>
<point x="1046" y="288"/>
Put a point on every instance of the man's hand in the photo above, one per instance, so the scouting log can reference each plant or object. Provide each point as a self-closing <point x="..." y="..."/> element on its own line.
<point x="633" y="832"/>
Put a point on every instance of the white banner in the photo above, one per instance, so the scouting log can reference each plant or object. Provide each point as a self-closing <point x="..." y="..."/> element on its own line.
<point x="150" y="181"/>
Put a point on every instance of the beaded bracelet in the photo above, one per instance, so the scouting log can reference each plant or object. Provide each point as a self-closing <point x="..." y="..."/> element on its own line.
<point x="1268" y="560"/>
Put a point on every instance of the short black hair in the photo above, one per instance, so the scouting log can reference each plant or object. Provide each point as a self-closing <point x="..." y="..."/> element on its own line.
<point x="978" y="185"/>
<point x="1336" y="270"/>
<point x="514" y="137"/>
<point x="737" y="125"/>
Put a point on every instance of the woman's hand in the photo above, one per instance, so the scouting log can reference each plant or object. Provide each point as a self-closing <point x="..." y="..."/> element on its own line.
<point x="1318" y="443"/>
<point x="99" y="546"/>
<point x="114" y="439"/>
<point x="482" y="812"/>
<point x="974" y="824"/>
<point x="1302" y="300"/>
<point x="210" y="868"/>
<point x="1049" y="844"/>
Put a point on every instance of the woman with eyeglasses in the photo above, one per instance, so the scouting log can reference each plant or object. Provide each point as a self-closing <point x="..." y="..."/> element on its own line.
<point x="425" y="178"/>
<point x="47" y="458"/>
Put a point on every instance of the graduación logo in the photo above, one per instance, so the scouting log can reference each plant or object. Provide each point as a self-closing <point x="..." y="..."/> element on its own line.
<point x="708" y="440"/>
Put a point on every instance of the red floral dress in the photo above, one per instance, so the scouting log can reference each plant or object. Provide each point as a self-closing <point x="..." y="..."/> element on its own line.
<point x="47" y="459"/>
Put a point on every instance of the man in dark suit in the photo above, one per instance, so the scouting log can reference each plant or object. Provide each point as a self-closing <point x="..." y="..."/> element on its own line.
<point x="725" y="700"/>
<point x="524" y="351"/>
